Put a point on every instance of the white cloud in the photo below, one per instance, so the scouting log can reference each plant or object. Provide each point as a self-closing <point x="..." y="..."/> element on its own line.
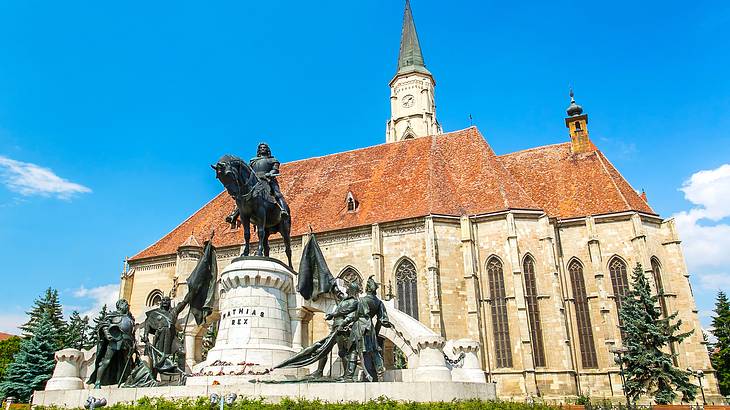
<point x="9" y="322"/>
<point x="98" y="296"/>
<point x="706" y="238"/>
<point x="29" y="179"/>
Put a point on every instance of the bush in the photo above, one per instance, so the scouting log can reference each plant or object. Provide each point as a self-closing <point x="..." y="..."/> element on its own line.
<point x="245" y="403"/>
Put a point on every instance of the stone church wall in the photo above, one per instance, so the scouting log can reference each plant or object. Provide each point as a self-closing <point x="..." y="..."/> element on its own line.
<point x="451" y="255"/>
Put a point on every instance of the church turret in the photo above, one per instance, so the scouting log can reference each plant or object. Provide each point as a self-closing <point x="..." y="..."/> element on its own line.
<point x="577" y="124"/>
<point x="412" y="103"/>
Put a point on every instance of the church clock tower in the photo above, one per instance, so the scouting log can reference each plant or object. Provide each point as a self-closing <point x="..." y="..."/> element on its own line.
<point x="412" y="103"/>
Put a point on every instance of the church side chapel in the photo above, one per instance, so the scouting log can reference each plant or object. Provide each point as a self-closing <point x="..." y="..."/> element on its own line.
<point x="527" y="253"/>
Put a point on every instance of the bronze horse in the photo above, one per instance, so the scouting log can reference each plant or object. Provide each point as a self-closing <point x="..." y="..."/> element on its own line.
<point x="255" y="203"/>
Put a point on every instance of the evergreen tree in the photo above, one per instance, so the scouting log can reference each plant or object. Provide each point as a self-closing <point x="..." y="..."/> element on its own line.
<point x="34" y="363"/>
<point x="50" y="304"/>
<point x="77" y="332"/>
<point x="721" y="349"/>
<point x="100" y="318"/>
<point x="8" y="349"/>
<point x="649" y="367"/>
<point x="94" y="328"/>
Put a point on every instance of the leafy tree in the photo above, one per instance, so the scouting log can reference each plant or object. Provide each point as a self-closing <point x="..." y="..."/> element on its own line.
<point x="34" y="363"/>
<point x="720" y="356"/>
<point x="649" y="368"/>
<point x="8" y="348"/>
<point x="50" y="304"/>
<point x="77" y="332"/>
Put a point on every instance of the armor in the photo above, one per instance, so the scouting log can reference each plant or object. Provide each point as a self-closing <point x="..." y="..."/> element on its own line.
<point x="266" y="168"/>
<point x="115" y="347"/>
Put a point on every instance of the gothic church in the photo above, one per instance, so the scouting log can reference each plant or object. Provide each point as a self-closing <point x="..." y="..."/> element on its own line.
<point x="528" y="253"/>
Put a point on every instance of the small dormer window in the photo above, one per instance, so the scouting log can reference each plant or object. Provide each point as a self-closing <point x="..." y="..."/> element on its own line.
<point x="351" y="202"/>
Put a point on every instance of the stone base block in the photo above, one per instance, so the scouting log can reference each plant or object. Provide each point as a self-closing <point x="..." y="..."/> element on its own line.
<point x="468" y="375"/>
<point x="65" y="383"/>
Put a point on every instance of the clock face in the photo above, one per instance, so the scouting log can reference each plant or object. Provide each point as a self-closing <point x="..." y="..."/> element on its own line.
<point x="408" y="101"/>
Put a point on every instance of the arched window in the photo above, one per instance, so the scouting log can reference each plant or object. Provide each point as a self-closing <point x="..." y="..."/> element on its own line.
<point x="154" y="298"/>
<point x="620" y="283"/>
<point x="582" y="316"/>
<point x="656" y="271"/>
<point x="406" y="283"/>
<point x="500" y="325"/>
<point x="533" y="311"/>
<point x="350" y="275"/>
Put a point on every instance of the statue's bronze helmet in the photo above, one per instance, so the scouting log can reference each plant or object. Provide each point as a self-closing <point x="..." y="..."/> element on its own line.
<point x="353" y="289"/>
<point x="122" y="305"/>
<point x="166" y="302"/>
<point x="263" y="149"/>
<point x="372" y="285"/>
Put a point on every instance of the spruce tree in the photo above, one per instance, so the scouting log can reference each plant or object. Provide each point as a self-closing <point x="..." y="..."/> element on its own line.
<point x="76" y="334"/>
<point x="648" y="363"/>
<point x="50" y="304"/>
<point x="721" y="349"/>
<point x="100" y="318"/>
<point x="34" y="363"/>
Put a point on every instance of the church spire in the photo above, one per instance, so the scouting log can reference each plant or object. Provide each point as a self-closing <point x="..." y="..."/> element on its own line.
<point x="410" y="58"/>
<point x="412" y="103"/>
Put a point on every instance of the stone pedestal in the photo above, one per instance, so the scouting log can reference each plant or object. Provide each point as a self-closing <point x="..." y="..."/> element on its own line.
<point x="470" y="369"/>
<point x="431" y="362"/>
<point x="66" y="373"/>
<point x="254" y="332"/>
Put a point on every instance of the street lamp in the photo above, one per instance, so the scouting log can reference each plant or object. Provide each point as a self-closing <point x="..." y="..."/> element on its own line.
<point x="228" y="399"/>
<point x="618" y="358"/>
<point x="699" y="374"/>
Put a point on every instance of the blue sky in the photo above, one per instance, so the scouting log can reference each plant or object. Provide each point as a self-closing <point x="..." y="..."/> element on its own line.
<point x="111" y="112"/>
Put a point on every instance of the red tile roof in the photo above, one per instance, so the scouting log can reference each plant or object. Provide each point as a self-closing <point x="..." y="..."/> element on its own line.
<point x="570" y="185"/>
<point x="453" y="174"/>
<point x="5" y="336"/>
<point x="450" y="174"/>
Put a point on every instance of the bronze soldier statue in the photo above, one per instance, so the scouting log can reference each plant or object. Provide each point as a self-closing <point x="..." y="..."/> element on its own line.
<point x="371" y="307"/>
<point x="266" y="168"/>
<point x="115" y="347"/>
<point x="165" y="351"/>
<point x="348" y="330"/>
<point x="343" y="317"/>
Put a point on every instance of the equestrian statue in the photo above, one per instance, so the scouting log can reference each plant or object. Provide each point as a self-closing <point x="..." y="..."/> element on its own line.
<point x="254" y="188"/>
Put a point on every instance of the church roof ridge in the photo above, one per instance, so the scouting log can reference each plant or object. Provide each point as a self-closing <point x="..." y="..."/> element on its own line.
<point x="354" y="150"/>
<point x="541" y="147"/>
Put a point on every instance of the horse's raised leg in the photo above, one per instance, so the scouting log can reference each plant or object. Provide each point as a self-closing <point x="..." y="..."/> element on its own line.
<point x="246" y="221"/>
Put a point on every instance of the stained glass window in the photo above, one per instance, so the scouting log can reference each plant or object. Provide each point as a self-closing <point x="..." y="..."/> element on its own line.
<point x="500" y="325"/>
<point x="533" y="311"/>
<point x="406" y="283"/>
<point x="582" y="316"/>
